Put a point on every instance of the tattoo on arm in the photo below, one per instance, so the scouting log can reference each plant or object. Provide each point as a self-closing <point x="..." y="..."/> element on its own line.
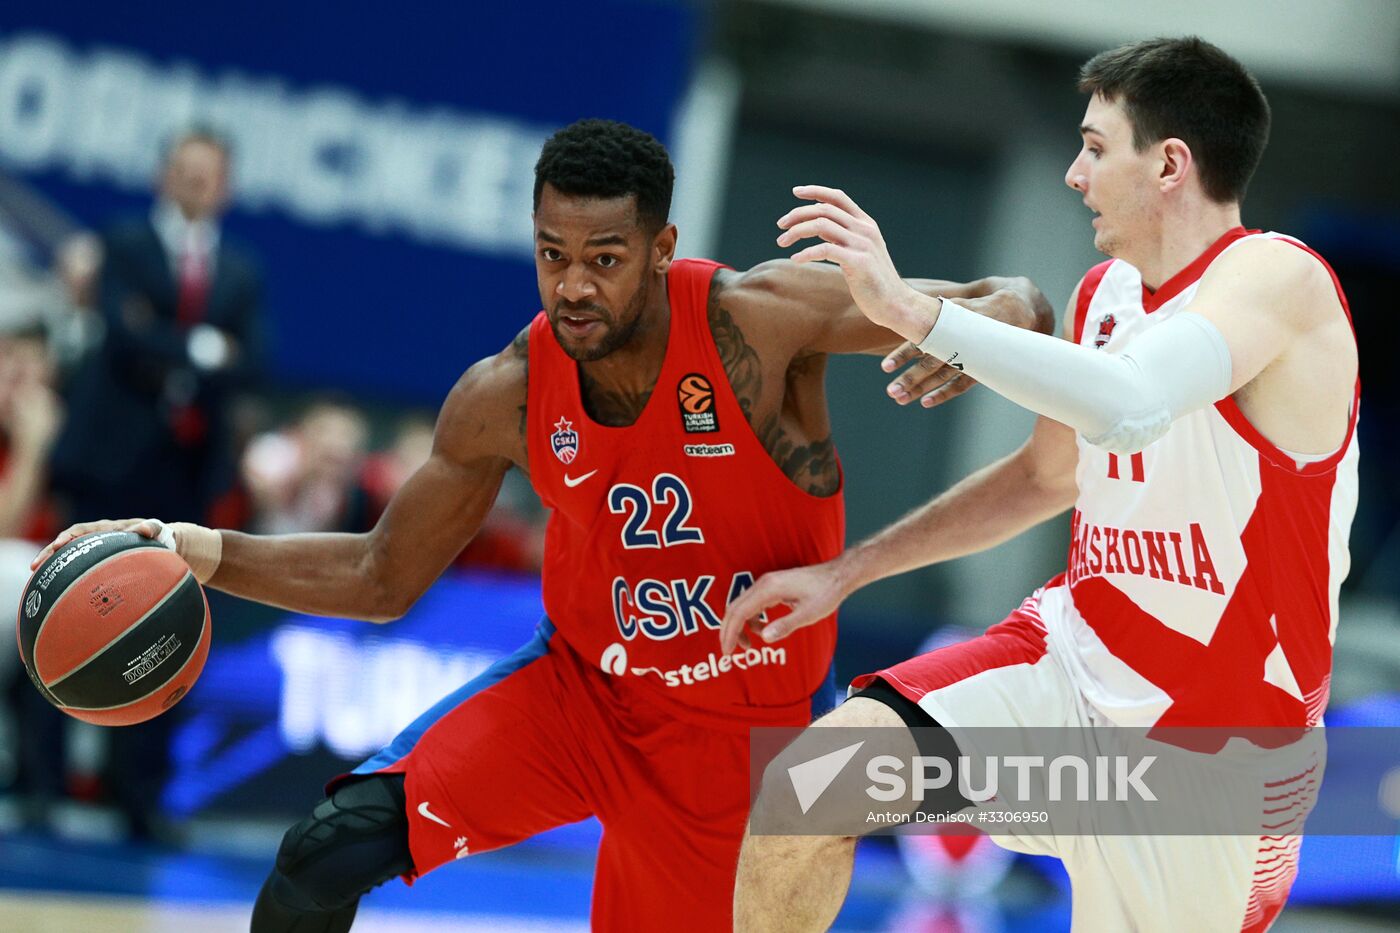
<point x="741" y="363"/>
<point x="811" y="466"/>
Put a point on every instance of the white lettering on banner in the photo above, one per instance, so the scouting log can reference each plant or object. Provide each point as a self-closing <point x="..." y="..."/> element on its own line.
<point x="325" y="155"/>
<point x="355" y="695"/>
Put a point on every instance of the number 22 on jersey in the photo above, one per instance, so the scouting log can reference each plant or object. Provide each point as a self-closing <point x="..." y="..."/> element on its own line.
<point x="668" y="492"/>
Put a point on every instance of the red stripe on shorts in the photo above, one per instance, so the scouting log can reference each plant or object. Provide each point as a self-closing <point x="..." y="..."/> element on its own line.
<point x="1019" y="639"/>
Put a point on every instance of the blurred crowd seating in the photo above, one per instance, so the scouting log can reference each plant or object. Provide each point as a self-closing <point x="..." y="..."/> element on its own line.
<point x="304" y="462"/>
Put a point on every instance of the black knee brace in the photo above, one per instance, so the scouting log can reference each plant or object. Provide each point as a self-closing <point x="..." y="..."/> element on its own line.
<point x="932" y="739"/>
<point x="353" y="841"/>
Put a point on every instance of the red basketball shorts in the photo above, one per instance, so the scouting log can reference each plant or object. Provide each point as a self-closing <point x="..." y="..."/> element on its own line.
<point x="543" y="739"/>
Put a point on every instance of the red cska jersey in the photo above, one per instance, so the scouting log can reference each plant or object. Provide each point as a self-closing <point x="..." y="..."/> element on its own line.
<point x="656" y="527"/>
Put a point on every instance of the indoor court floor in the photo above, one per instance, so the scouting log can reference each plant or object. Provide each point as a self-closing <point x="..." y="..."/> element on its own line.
<point x="52" y="884"/>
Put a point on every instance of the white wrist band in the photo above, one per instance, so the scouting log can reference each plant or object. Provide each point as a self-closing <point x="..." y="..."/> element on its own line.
<point x="202" y="548"/>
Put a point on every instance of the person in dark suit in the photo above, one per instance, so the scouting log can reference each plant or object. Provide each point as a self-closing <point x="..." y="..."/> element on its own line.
<point x="150" y="428"/>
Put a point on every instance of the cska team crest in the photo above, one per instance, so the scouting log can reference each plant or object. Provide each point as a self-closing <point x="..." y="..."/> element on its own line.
<point x="564" y="441"/>
<point x="1105" y="331"/>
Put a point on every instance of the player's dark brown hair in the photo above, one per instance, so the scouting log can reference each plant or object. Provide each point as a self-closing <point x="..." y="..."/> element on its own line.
<point x="607" y="159"/>
<point x="1191" y="90"/>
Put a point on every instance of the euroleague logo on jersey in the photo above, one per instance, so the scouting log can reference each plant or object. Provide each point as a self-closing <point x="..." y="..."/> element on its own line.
<point x="696" y="395"/>
<point x="1105" y="331"/>
<point x="564" y="440"/>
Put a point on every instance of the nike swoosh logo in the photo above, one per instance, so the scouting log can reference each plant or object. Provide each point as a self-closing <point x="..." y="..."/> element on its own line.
<point x="572" y="481"/>
<point x="425" y="812"/>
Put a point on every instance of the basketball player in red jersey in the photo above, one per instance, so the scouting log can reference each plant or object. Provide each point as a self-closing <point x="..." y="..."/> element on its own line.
<point x="1200" y="418"/>
<point x="672" y="415"/>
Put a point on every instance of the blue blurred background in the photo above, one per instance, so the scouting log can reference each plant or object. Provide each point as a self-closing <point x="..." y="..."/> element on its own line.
<point x="382" y="167"/>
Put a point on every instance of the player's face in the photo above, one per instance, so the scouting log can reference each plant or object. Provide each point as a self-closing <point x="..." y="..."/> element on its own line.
<point x="1116" y="180"/>
<point x="594" y="262"/>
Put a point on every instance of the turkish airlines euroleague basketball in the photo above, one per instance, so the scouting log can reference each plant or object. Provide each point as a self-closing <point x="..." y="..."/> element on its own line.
<point x="113" y="628"/>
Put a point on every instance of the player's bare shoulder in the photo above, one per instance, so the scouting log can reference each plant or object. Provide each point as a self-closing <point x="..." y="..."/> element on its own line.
<point x="1296" y="279"/>
<point x="485" y="413"/>
<point x="775" y="304"/>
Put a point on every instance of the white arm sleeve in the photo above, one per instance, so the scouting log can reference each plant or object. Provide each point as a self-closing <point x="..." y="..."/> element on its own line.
<point x="1119" y="401"/>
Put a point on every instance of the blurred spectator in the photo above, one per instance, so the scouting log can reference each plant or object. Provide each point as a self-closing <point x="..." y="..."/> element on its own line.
<point x="386" y="470"/>
<point x="149" y="432"/>
<point x="512" y="536"/>
<point x="75" y="328"/>
<point x="304" y="478"/>
<point x="78" y="263"/>
<point x="29" y="420"/>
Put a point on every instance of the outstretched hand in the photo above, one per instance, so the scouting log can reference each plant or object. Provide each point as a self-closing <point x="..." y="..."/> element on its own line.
<point x="851" y="239"/>
<point x="927" y="378"/>
<point x="149" y="527"/>
<point x="812" y="593"/>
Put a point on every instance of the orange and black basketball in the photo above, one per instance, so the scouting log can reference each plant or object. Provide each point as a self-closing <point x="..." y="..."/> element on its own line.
<point x="113" y="628"/>
<point x="696" y="394"/>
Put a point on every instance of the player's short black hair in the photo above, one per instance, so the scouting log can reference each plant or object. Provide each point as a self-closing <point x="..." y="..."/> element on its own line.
<point x="607" y="159"/>
<point x="1189" y="89"/>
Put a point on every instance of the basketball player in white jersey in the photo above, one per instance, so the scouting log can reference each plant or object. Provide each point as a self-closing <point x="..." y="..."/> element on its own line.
<point x="1200" y="418"/>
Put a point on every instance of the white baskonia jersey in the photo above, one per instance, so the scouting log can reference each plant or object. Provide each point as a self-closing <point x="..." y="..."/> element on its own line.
<point x="1203" y="572"/>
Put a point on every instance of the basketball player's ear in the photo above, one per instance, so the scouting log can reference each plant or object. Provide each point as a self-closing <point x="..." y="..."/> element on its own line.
<point x="1176" y="163"/>
<point x="663" y="249"/>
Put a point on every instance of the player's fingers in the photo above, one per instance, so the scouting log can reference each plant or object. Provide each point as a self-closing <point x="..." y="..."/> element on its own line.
<point x="932" y="381"/>
<point x="949" y="390"/>
<point x="48" y="550"/>
<point x="749" y="604"/>
<point x="747" y="611"/>
<point x="64" y="536"/>
<point x="782" y="628"/>
<point x="823" y="227"/>
<point x="924" y="374"/>
<point x="755" y="627"/>
<point x="831" y="196"/>
<point x="908" y="351"/>
<point x="87" y="528"/>
<point x="806" y="212"/>
<point x="147" y="527"/>
<point x="827" y="251"/>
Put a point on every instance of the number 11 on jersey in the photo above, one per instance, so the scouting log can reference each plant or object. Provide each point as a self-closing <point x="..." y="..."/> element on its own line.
<point x="1139" y="474"/>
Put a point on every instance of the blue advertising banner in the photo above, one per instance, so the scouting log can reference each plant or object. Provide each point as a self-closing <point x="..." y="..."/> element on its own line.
<point x="384" y="154"/>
